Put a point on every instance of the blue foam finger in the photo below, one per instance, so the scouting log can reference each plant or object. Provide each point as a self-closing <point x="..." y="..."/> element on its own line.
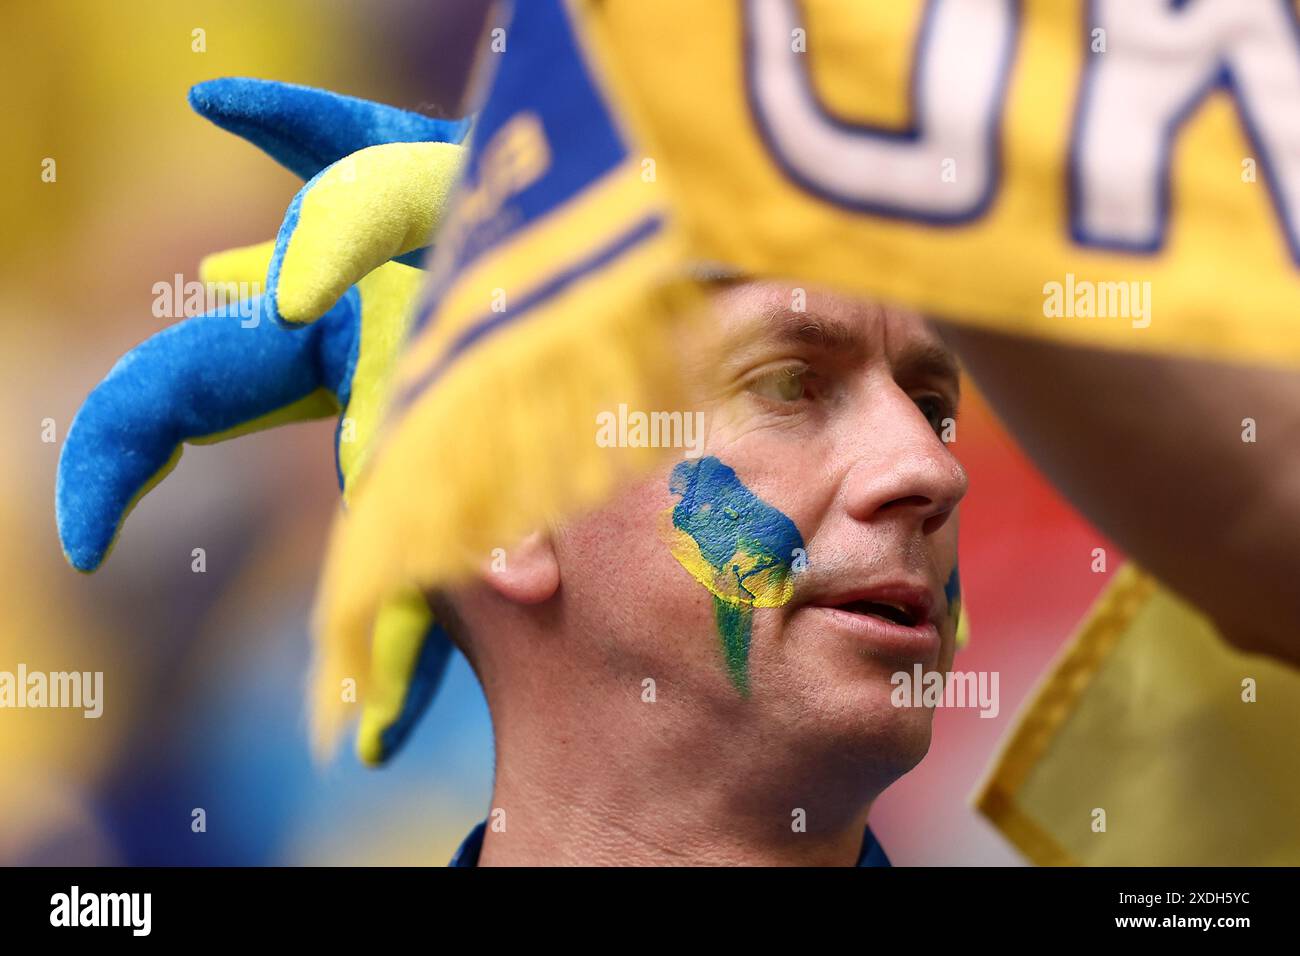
<point x="194" y="380"/>
<point x="307" y="129"/>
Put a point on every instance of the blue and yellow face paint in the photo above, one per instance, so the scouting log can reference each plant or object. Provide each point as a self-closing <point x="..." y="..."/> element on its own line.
<point x="737" y="545"/>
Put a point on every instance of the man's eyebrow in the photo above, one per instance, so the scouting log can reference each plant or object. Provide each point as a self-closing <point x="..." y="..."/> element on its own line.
<point x="930" y="360"/>
<point x="927" y="359"/>
<point x="803" y="328"/>
<point x="831" y="336"/>
<point x="759" y="330"/>
<point x="784" y="324"/>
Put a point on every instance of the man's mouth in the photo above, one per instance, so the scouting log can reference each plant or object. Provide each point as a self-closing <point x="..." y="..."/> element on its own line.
<point x="895" y="621"/>
<point x="895" y="613"/>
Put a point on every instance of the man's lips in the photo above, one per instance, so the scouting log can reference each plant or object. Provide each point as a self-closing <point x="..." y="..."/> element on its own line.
<point x="897" y="620"/>
<point x="906" y="603"/>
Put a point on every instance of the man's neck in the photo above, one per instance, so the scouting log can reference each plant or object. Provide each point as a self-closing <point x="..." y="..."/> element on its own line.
<point x="610" y="792"/>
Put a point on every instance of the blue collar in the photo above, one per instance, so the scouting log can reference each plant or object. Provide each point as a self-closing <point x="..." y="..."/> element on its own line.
<point x="872" y="854"/>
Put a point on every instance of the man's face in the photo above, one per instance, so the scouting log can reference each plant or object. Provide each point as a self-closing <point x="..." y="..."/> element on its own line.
<point x="828" y="416"/>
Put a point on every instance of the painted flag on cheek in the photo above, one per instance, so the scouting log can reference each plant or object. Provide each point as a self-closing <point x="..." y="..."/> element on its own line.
<point x="1123" y="173"/>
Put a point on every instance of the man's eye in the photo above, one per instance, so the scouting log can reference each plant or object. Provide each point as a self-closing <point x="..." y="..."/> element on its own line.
<point x="783" y="385"/>
<point x="936" y="410"/>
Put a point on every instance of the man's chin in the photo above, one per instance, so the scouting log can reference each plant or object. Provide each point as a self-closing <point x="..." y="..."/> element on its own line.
<point x="872" y="729"/>
<point x="849" y="714"/>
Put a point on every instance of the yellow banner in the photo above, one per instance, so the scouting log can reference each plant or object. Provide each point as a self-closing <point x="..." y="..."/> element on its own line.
<point x="1122" y="173"/>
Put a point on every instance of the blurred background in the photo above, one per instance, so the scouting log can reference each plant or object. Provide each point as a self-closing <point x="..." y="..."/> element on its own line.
<point x="204" y="674"/>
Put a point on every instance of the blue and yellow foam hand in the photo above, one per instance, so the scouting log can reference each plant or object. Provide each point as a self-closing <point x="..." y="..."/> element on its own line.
<point x="378" y="179"/>
<point x="233" y="371"/>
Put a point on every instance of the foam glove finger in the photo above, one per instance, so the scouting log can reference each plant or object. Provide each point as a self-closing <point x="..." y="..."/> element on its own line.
<point x="245" y="266"/>
<point x="206" y="379"/>
<point x="408" y="658"/>
<point x="306" y="129"/>
<point x="375" y="204"/>
<point x="387" y="295"/>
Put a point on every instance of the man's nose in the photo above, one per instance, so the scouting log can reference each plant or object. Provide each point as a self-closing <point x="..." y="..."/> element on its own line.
<point x="900" y="469"/>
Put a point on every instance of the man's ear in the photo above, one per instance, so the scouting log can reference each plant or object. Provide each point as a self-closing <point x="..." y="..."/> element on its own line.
<point x="528" y="573"/>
